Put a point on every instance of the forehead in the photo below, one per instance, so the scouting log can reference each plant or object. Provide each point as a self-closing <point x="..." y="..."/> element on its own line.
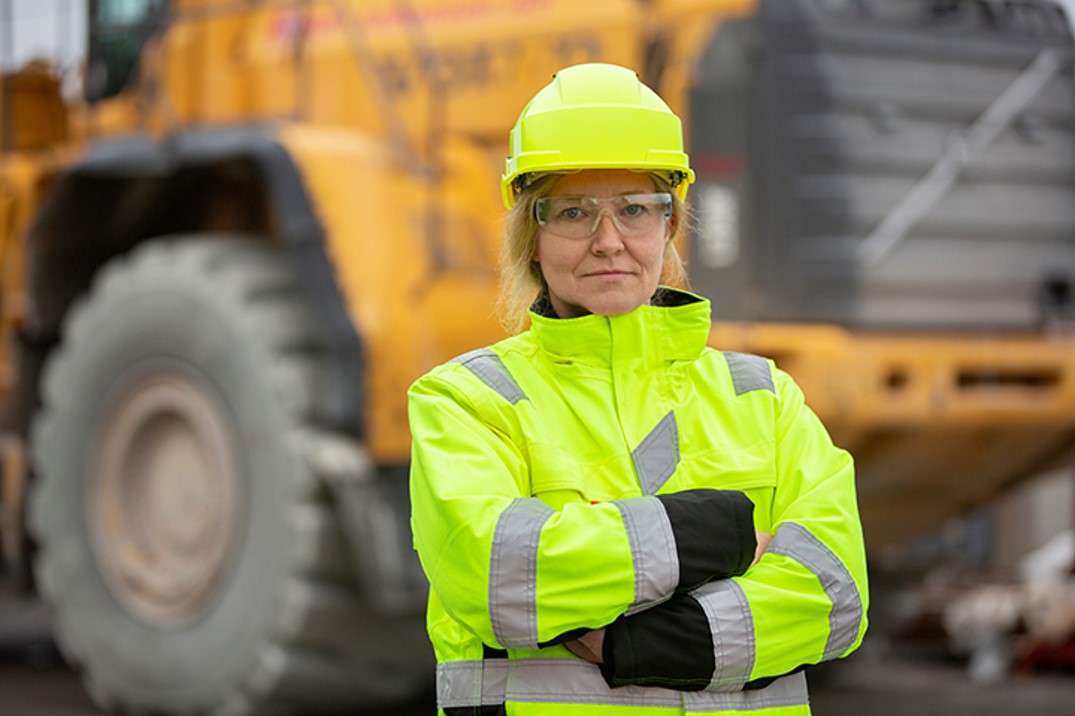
<point x="603" y="182"/>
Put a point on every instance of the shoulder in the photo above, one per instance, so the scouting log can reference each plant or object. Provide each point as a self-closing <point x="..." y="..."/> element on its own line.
<point x="751" y="378"/>
<point x="749" y="372"/>
<point x="483" y="367"/>
<point x="739" y="374"/>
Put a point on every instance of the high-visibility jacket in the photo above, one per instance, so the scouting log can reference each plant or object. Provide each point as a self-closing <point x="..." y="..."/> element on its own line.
<point x="609" y="471"/>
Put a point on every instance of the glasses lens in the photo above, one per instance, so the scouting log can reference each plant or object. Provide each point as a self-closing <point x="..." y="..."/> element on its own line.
<point x="568" y="216"/>
<point x="577" y="217"/>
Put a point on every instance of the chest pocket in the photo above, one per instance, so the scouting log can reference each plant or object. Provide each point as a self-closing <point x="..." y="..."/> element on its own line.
<point x="558" y="477"/>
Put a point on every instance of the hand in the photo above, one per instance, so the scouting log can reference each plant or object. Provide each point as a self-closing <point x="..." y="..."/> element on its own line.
<point x="589" y="646"/>
<point x="763" y="540"/>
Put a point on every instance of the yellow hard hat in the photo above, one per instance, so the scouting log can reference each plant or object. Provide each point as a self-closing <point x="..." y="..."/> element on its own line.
<point x="595" y="116"/>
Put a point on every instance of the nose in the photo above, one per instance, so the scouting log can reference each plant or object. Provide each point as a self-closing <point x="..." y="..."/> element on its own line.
<point x="607" y="238"/>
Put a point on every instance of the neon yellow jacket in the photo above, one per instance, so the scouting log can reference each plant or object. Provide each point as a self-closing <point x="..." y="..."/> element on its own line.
<point x="589" y="473"/>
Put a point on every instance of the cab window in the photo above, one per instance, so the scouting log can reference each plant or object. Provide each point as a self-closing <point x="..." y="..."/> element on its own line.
<point x="119" y="29"/>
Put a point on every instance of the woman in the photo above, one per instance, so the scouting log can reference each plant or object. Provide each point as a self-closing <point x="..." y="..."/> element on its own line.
<point x="592" y="497"/>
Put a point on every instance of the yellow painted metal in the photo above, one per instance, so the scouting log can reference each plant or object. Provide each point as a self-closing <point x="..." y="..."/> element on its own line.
<point x="866" y="379"/>
<point x="413" y="255"/>
<point x="449" y="66"/>
<point x="34" y="115"/>
<point x="12" y="490"/>
<point x="938" y="424"/>
<point x="34" y="127"/>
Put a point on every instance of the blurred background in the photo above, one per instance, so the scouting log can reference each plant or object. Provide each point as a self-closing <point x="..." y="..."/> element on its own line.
<point x="232" y="232"/>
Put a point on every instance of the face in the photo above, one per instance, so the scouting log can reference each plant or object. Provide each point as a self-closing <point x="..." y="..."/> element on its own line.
<point x="607" y="274"/>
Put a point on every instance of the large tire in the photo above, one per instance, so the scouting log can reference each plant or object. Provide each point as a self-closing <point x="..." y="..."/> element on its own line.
<point x="193" y="560"/>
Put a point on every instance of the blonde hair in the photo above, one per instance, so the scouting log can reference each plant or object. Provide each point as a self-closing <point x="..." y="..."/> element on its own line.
<point x="521" y="280"/>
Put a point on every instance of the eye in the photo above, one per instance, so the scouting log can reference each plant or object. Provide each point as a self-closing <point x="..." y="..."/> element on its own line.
<point x="635" y="210"/>
<point x="571" y="213"/>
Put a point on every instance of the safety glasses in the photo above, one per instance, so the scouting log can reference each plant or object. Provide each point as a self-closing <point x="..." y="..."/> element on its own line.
<point x="577" y="217"/>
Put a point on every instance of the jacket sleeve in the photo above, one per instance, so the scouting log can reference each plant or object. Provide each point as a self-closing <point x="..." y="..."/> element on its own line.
<point x="521" y="575"/>
<point x="803" y="603"/>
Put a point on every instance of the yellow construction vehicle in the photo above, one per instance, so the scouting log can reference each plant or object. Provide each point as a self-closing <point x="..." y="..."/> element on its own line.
<point x="222" y="266"/>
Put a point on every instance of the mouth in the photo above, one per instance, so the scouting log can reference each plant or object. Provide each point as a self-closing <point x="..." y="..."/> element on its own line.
<point x="608" y="273"/>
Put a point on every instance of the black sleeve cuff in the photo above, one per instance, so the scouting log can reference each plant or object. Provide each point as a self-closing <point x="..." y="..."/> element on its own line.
<point x="714" y="531"/>
<point x="669" y="645"/>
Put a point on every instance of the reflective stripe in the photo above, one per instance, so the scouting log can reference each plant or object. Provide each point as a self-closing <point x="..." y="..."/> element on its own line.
<point x="472" y="683"/>
<point x="795" y="541"/>
<point x="653" y="550"/>
<point x="513" y="573"/>
<point x="462" y="684"/>
<point x="785" y="691"/>
<point x="749" y="372"/>
<point x="657" y="456"/>
<point x="732" y="627"/>
<point x="487" y="365"/>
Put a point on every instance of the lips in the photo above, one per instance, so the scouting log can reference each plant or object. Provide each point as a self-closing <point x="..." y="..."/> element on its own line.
<point x="607" y="273"/>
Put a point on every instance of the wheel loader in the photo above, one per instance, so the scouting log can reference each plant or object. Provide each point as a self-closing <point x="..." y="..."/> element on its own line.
<point x="226" y="254"/>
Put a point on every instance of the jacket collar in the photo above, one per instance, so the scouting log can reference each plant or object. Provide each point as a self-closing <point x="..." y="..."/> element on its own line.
<point x="674" y="327"/>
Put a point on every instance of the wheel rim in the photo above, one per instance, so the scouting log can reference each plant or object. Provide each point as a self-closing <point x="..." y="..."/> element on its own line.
<point x="163" y="510"/>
